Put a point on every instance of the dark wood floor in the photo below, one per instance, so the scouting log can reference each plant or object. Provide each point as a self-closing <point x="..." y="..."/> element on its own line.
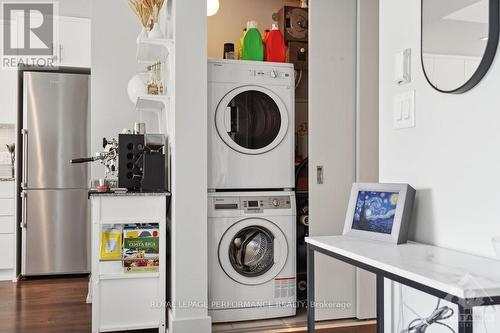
<point x="58" y="306"/>
<point x="45" y="305"/>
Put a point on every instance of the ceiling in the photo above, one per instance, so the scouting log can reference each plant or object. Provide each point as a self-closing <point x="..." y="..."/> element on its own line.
<point x="455" y="27"/>
<point x="476" y="13"/>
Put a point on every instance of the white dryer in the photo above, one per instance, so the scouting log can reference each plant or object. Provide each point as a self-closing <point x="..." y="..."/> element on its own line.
<point x="251" y="129"/>
<point x="251" y="259"/>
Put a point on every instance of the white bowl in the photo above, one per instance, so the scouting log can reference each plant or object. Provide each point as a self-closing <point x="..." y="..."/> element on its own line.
<point x="496" y="245"/>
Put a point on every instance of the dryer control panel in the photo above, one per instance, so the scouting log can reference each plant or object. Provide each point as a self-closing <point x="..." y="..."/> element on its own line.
<point x="272" y="73"/>
<point x="252" y="204"/>
<point x="251" y="73"/>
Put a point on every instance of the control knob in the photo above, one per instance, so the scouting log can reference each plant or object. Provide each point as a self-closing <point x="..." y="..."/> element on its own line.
<point x="276" y="202"/>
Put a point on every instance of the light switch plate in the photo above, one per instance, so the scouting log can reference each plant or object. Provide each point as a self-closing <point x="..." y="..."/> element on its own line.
<point x="404" y="110"/>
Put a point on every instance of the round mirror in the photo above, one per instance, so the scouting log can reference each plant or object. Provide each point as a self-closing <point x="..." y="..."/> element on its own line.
<point x="459" y="42"/>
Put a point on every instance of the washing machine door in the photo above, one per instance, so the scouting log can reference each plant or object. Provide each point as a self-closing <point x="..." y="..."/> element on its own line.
<point x="253" y="251"/>
<point x="251" y="120"/>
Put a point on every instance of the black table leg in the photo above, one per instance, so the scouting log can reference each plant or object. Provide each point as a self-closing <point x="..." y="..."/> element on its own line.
<point x="465" y="319"/>
<point x="310" y="290"/>
<point x="380" y="303"/>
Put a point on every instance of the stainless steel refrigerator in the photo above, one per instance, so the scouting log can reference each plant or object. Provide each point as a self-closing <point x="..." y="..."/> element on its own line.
<point x="54" y="205"/>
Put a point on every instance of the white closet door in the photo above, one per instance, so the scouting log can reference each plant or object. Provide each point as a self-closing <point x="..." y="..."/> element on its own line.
<point x="332" y="116"/>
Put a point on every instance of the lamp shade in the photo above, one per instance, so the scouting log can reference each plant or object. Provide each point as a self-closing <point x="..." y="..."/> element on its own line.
<point x="212" y="7"/>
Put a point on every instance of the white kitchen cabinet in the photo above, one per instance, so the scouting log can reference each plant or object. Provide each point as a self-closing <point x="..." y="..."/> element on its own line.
<point x="448" y="72"/>
<point x="428" y="62"/>
<point x="8" y="254"/>
<point x="7" y="231"/>
<point x="8" y="93"/>
<point x="6" y="206"/>
<point x="6" y="189"/>
<point x="8" y="104"/>
<point x="72" y="50"/>
<point x="74" y="42"/>
<point x="7" y="225"/>
<point x="471" y="66"/>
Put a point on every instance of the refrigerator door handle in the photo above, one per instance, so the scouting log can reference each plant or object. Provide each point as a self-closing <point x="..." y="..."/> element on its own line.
<point x="24" y="182"/>
<point x="24" y="206"/>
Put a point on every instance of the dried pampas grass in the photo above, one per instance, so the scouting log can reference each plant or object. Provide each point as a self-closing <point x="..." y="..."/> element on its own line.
<point x="157" y="6"/>
<point x="143" y="12"/>
<point x="148" y="11"/>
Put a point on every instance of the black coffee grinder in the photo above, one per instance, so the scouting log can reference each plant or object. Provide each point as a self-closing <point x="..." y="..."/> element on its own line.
<point x="141" y="162"/>
<point x="153" y="163"/>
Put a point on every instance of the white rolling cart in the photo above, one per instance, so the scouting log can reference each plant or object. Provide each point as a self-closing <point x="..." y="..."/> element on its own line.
<point x="121" y="300"/>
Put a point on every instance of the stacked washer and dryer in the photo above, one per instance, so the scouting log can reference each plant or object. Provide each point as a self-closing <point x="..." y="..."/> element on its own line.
<point x="251" y="203"/>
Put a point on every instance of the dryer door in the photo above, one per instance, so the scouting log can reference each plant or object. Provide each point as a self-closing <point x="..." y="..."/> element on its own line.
<point x="251" y="120"/>
<point x="253" y="251"/>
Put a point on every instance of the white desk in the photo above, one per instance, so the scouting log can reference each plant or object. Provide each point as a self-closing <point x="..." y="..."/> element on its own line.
<point x="463" y="279"/>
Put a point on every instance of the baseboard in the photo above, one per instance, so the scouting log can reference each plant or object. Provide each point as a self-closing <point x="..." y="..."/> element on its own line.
<point x="333" y="326"/>
<point x="189" y="325"/>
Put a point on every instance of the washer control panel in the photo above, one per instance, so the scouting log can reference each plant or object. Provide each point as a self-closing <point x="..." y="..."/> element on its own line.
<point x="252" y="204"/>
<point x="226" y="203"/>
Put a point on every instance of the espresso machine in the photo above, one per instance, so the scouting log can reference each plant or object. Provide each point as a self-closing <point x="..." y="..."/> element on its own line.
<point x="141" y="162"/>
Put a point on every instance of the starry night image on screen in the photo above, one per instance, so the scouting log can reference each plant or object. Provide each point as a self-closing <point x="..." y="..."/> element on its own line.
<point x="375" y="211"/>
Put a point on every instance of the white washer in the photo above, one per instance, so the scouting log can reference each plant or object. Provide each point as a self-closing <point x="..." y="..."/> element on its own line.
<point x="251" y="258"/>
<point x="251" y="130"/>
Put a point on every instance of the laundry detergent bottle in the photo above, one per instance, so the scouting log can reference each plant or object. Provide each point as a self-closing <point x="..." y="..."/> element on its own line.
<point x="253" y="48"/>
<point x="240" y="44"/>
<point x="275" y="45"/>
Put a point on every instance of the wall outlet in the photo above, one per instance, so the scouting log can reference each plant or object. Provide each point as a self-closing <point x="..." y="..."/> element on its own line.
<point x="404" y="110"/>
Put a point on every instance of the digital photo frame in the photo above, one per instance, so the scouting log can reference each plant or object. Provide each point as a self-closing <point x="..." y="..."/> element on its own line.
<point x="380" y="212"/>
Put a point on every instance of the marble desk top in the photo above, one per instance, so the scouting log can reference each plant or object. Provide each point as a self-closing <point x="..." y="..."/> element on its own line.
<point x="456" y="273"/>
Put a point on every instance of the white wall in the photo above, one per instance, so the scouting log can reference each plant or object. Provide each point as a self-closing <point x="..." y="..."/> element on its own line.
<point x="450" y="157"/>
<point x="367" y="132"/>
<point x="189" y="170"/>
<point x="332" y="118"/>
<point x="367" y="129"/>
<point x="113" y="64"/>
<point x="75" y="8"/>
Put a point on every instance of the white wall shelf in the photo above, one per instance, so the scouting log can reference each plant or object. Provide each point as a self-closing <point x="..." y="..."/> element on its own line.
<point x="152" y="103"/>
<point x="151" y="50"/>
<point x="119" y="276"/>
